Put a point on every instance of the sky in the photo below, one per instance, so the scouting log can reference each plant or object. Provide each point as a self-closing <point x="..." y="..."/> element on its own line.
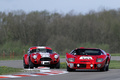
<point x="61" y="6"/>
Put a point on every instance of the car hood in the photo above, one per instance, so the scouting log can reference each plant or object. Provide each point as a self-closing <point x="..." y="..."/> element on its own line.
<point x="44" y="54"/>
<point x="86" y="57"/>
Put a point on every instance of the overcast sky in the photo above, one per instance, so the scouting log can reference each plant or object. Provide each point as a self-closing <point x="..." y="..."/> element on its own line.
<point x="62" y="6"/>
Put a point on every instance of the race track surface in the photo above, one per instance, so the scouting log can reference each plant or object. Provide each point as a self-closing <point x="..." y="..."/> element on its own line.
<point x="112" y="74"/>
<point x="19" y="63"/>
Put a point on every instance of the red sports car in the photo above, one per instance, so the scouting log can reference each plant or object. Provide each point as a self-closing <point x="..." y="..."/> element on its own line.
<point x="41" y="56"/>
<point x="88" y="58"/>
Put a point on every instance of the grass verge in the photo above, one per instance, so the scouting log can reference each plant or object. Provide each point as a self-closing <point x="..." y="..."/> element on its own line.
<point x="11" y="58"/>
<point x="115" y="54"/>
<point x="113" y="65"/>
<point x="8" y="70"/>
<point x="62" y="56"/>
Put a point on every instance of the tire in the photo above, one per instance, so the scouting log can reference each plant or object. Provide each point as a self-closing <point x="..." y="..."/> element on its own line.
<point x="57" y="65"/>
<point x="25" y="66"/>
<point x="36" y="66"/>
<point x="51" y="66"/>
<point x="31" y="65"/>
<point x="69" y="69"/>
<point x="107" y="68"/>
<point x="104" y="68"/>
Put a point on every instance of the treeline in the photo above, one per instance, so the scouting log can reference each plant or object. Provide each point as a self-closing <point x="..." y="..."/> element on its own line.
<point x="62" y="32"/>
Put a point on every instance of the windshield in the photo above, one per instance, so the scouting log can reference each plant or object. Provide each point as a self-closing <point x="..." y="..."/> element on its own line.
<point x="41" y="50"/>
<point x="88" y="52"/>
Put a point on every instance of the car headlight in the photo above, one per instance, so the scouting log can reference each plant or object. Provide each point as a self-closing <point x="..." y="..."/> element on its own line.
<point x="99" y="60"/>
<point x="56" y="56"/>
<point x="35" y="56"/>
<point x="71" y="59"/>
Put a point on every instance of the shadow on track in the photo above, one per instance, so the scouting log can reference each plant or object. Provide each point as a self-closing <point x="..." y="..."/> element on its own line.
<point x="87" y="70"/>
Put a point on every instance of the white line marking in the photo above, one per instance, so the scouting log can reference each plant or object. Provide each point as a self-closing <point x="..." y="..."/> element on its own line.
<point x="42" y="71"/>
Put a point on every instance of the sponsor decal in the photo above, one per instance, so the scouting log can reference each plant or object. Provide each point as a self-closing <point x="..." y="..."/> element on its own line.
<point x="85" y="57"/>
<point x="44" y="54"/>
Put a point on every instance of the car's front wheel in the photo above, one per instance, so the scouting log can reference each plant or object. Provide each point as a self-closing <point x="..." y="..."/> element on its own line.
<point x="25" y="66"/>
<point x="51" y="66"/>
<point x="69" y="69"/>
<point x="103" y="68"/>
<point x="57" y="65"/>
<point x="107" y="68"/>
<point x="31" y="65"/>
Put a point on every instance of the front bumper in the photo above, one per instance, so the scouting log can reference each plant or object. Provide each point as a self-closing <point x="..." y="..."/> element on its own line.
<point x="45" y="61"/>
<point x="86" y="65"/>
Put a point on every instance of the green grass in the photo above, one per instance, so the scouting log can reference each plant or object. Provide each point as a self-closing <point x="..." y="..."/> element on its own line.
<point x="115" y="54"/>
<point x="63" y="65"/>
<point x="62" y="56"/>
<point x="11" y="58"/>
<point x="113" y="65"/>
<point x="8" y="70"/>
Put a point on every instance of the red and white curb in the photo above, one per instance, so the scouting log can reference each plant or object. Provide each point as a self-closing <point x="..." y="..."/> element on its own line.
<point x="43" y="72"/>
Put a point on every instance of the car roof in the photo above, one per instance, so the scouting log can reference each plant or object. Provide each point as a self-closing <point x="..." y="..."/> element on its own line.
<point x="86" y="48"/>
<point x="40" y="47"/>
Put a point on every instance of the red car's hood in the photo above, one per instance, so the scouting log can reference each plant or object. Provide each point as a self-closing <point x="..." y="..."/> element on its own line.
<point x="87" y="57"/>
<point x="44" y="54"/>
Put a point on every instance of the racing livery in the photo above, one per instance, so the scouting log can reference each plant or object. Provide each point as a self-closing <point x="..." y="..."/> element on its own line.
<point x="41" y="56"/>
<point x="88" y="58"/>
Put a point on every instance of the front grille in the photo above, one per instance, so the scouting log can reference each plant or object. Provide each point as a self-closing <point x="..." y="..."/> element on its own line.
<point x="45" y="59"/>
<point x="95" y="65"/>
<point x="84" y="61"/>
<point x="55" y="61"/>
<point x="35" y="61"/>
<point x="81" y="65"/>
<point x="74" y="65"/>
<point x="46" y="63"/>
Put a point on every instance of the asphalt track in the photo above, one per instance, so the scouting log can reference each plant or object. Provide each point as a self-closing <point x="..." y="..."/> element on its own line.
<point x="112" y="74"/>
<point x="19" y="63"/>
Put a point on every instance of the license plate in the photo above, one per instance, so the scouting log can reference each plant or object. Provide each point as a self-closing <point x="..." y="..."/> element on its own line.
<point x="45" y="62"/>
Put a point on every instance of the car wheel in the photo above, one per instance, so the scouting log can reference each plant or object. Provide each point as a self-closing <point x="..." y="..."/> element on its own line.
<point x="69" y="69"/>
<point x="57" y="65"/>
<point x="51" y="66"/>
<point x="107" y="68"/>
<point x="31" y="65"/>
<point x="104" y="68"/>
<point x="25" y="66"/>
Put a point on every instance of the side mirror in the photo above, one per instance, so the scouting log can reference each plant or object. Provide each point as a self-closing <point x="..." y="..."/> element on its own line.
<point x="67" y="53"/>
<point x="108" y="54"/>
